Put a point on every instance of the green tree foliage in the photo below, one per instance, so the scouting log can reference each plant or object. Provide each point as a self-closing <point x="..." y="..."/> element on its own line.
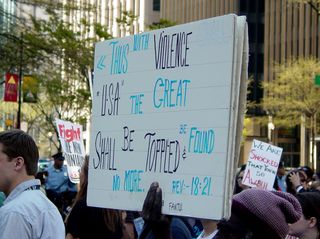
<point x="313" y="3"/>
<point x="126" y="20"/>
<point x="60" y="55"/>
<point x="161" y="24"/>
<point x="65" y="76"/>
<point x="293" y="98"/>
<point x="293" y="92"/>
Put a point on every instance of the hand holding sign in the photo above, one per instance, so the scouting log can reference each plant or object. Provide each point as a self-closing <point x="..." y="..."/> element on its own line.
<point x="151" y="211"/>
<point x="155" y="221"/>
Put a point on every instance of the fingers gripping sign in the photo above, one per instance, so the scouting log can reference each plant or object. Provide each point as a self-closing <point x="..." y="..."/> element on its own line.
<point x="155" y="221"/>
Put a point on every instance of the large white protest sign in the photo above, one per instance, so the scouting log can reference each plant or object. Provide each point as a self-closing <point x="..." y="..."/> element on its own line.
<point x="70" y="136"/>
<point x="262" y="165"/>
<point x="168" y="107"/>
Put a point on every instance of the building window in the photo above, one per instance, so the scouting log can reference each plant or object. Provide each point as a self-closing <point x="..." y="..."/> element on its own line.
<point x="156" y="5"/>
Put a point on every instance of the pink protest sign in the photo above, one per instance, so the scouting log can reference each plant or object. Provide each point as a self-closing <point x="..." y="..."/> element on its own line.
<point x="70" y="136"/>
<point x="262" y="165"/>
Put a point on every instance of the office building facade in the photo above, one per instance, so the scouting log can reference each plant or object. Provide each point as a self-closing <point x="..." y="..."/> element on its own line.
<point x="278" y="30"/>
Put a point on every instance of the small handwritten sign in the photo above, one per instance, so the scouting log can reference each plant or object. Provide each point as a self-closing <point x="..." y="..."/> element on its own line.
<point x="262" y="165"/>
<point x="70" y="136"/>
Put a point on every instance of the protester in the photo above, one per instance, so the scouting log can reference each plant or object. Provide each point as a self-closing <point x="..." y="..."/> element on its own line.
<point x="59" y="189"/>
<point x="129" y="218"/>
<point x="91" y="222"/>
<point x="26" y="213"/>
<point x="209" y="229"/>
<point x="315" y="186"/>
<point x="296" y="181"/>
<point x="308" y="227"/>
<point x="260" y="214"/>
<point x="316" y="177"/>
<point x="196" y="226"/>
<point x="280" y="180"/>
<point x="309" y="173"/>
<point x="239" y="186"/>
<point x="42" y="177"/>
<point x="157" y="225"/>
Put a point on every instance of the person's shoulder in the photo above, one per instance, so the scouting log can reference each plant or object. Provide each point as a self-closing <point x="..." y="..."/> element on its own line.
<point x="180" y="228"/>
<point x="29" y="203"/>
<point x="33" y="208"/>
<point x="31" y="200"/>
<point x="50" y="168"/>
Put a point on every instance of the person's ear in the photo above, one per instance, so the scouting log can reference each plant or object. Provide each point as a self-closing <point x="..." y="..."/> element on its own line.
<point x="19" y="163"/>
<point x="312" y="222"/>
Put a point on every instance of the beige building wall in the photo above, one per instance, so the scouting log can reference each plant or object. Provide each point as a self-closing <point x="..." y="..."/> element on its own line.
<point x="290" y="28"/>
<point x="183" y="11"/>
<point x="150" y="16"/>
<point x="291" y="31"/>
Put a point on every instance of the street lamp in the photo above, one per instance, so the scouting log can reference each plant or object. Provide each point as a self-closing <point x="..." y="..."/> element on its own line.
<point x="50" y="140"/>
<point x="270" y="128"/>
<point x="20" y="82"/>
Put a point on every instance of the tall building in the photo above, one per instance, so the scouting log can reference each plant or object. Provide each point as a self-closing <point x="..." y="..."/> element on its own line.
<point x="278" y="30"/>
<point x="291" y="31"/>
<point x="7" y="10"/>
<point x="107" y="12"/>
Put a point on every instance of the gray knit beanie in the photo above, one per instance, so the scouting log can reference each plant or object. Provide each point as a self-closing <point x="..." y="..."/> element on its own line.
<point x="270" y="211"/>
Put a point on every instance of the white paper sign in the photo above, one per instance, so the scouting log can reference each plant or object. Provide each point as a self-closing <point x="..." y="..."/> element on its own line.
<point x="262" y="165"/>
<point x="165" y="108"/>
<point x="70" y="136"/>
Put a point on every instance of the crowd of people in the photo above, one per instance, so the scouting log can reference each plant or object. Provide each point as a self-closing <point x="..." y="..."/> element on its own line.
<point x="291" y="210"/>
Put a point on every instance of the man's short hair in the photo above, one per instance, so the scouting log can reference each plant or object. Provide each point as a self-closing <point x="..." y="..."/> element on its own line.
<point x="18" y="143"/>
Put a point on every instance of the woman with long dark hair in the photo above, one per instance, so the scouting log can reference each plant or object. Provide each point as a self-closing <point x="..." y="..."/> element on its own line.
<point x="238" y="186"/>
<point x="91" y="222"/>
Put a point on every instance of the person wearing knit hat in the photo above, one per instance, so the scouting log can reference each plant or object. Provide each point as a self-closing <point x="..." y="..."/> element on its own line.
<point x="257" y="213"/>
<point x="308" y="227"/>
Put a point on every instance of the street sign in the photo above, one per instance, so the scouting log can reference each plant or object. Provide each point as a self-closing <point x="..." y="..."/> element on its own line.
<point x="11" y="88"/>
